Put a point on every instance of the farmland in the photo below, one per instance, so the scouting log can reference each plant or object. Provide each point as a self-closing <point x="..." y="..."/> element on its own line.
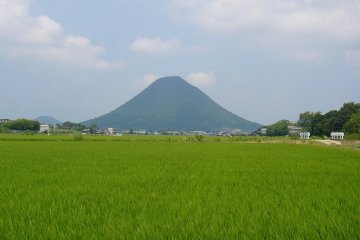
<point x="162" y="187"/>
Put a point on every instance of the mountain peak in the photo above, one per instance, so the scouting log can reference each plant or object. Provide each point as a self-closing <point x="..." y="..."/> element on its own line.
<point x="47" y="120"/>
<point x="170" y="78"/>
<point x="171" y="81"/>
<point x="171" y="103"/>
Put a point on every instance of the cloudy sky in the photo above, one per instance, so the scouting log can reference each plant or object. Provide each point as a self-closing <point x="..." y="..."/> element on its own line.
<point x="263" y="60"/>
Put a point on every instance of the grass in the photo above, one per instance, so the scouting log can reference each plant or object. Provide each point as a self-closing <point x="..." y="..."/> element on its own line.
<point x="181" y="190"/>
<point x="141" y="138"/>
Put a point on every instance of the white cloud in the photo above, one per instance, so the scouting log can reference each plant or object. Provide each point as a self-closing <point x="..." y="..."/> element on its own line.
<point x="156" y="45"/>
<point x="10" y="10"/>
<point x="40" y="30"/>
<point x="74" y="50"/>
<point x="145" y="81"/>
<point x="42" y="38"/>
<point x="17" y="25"/>
<point x="150" y="78"/>
<point x="311" y="20"/>
<point x="201" y="79"/>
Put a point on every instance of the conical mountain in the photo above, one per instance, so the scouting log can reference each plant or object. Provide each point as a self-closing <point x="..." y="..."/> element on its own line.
<point x="171" y="103"/>
<point x="47" y="120"/>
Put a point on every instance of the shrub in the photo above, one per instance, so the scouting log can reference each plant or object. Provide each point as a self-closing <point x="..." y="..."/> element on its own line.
<point x="354" y="136"/>
<point x="78" y="137"/>
<point x="199" y="138"/>
<point x="23" y="125"/>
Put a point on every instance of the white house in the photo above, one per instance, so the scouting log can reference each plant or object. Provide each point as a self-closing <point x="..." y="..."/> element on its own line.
<point x="305" y="135"/>
<point x="294" y="130"/>
<point x="263" y="131"/>
<point x="235" y="132"/>
<point x="337" y="135"/>
<point x="110" y="131"/>
<point x="44" y="128"/>
<point x="4" y="120"/>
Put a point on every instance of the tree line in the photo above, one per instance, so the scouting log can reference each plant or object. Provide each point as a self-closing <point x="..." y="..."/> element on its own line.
<point x="22" y="125"/>
<point x="346" y="119"/>
<point x="33" y="125"/>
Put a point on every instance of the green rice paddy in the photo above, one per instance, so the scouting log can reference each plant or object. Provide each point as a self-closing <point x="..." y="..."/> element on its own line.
<point x="159" y="189"/>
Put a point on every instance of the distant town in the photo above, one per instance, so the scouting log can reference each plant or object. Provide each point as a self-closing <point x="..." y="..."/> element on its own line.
<point x="334" y="124"/>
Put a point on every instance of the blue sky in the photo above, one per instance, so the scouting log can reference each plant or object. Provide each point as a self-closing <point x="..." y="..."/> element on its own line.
<point x="263" y="60"/>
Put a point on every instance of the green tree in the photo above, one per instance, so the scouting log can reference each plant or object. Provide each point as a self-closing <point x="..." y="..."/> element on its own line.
<point x="334" y="120"/>
<point x="306" y="120"/>
<point x="279" y="128"/>
<point x="2" y="128"/>
<point x="353" y="125"/>
<point x="23" y="125"/>
<point x="312" y="122"/>
<point x="344" y="114"/>
<point x="330" y="123"/>
<point x="316" y="128"/>
<point x="93" y="129"/>
<point x="73" y="126"/>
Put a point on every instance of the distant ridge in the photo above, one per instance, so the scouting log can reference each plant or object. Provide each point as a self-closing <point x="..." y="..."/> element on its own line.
<point x="171" y="103"/>
<point x="47" y="120"/>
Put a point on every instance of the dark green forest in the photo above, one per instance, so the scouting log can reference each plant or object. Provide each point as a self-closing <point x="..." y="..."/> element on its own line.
<point x="346" y="119"/>
<point x="22" y="125"/>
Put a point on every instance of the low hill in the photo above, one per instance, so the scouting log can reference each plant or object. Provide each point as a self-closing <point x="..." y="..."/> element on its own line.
<point x="171" y="103"/>
<point x="47" y="120"/>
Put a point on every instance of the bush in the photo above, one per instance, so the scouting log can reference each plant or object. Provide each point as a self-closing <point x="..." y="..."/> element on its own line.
<point x="279" y="128"/>
<point x="78" y="137"/>
<point x="23" y="125"/>
<point x="353" y="125"/>
<point x="293" y="137"/>
<point x="196" y="138"/>
<point x="199" y="138"/>
<point x="354" y="136"/>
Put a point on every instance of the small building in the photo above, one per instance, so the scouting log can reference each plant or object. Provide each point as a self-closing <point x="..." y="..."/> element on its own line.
<point x="86" y="131"/>
<point x="294" y="130"/>
<point x="44" y="128"/>
<point x="305" y="135"/>
<point x="110" y="131"/>
<point x="224" y="134"/>
<point x="140" y="132"/>
<point x="263" y="131"/>
<point x="4" y="120"/>
<point x="236" y="132"/>
<point x="337" y="135"/>
<point x="173" y="133"/>
<point x="194" y="133"/>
